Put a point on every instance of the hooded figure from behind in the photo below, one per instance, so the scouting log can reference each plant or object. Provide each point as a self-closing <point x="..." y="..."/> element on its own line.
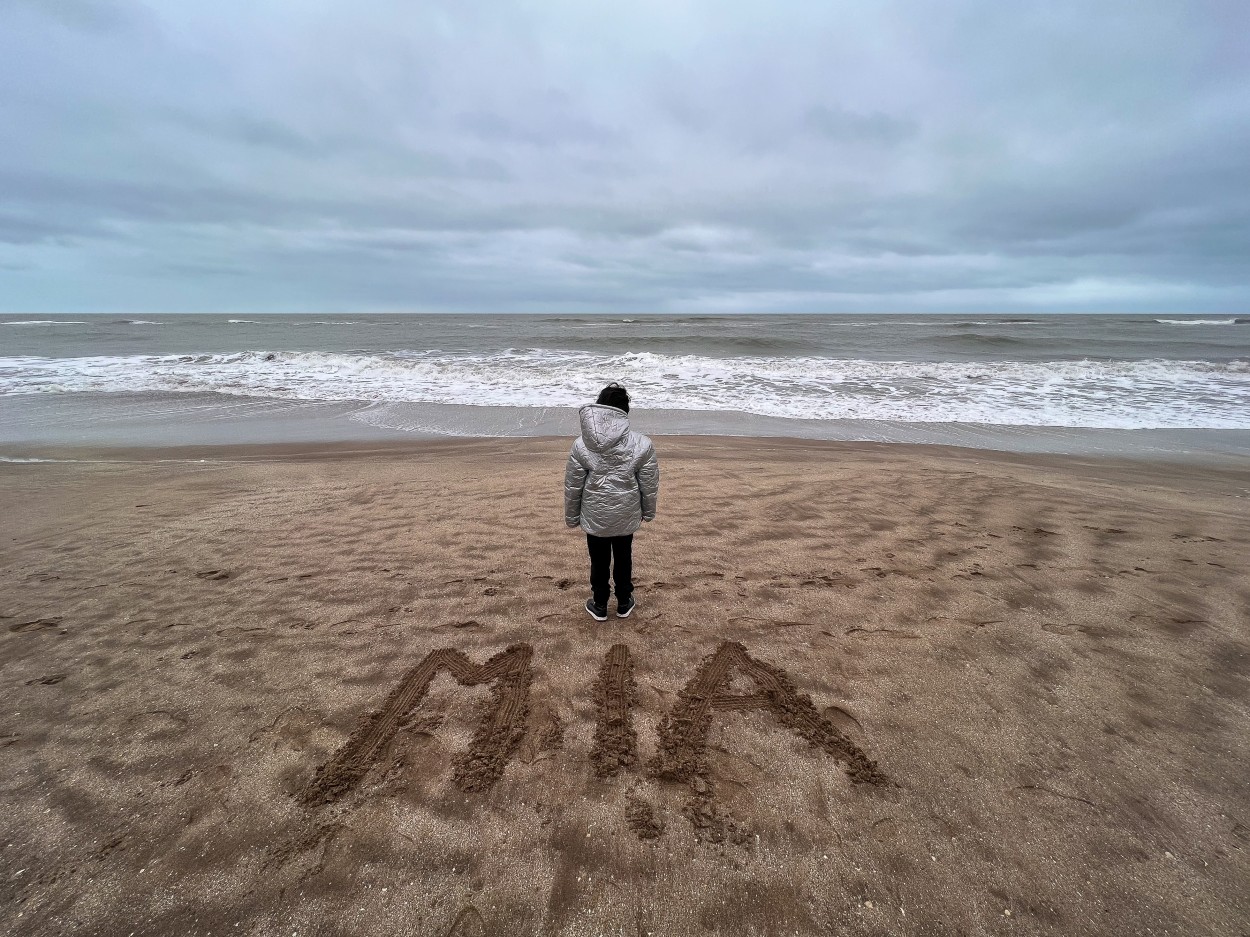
<point x="611" y="484"/>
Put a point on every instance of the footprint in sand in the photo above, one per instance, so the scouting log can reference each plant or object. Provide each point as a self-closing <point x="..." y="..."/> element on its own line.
<point x="776" y="622"/>
<point x="843" y="721"/>
<point x="1056" y="628"/>
<point x="290" y="730"/>
<point x="212" y="574"/>
<point x="38" y="624"/>
<point x="158" y="722"/>
<point x="468" y="923"/>
<point x="470" y="625"/>
<point x="50" y="680"/>
<point x="884" y="632"/>
<point x="1091" y="631"/>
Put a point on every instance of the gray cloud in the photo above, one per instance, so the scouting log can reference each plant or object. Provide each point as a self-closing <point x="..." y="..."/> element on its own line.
<point x="86" y="15"/>
<point x="487" y="155"/>
<point x="849" y="127"/>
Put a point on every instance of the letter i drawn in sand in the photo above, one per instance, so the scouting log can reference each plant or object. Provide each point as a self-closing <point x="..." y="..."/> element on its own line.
<point x="615" y="747"/>
<point x="616" y="742"/>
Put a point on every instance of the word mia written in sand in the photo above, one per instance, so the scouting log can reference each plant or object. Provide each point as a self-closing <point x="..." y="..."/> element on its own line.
<point x="681" y="753"/>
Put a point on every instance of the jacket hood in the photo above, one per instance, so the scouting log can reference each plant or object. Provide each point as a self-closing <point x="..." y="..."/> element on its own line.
<point x="602" y="426"/>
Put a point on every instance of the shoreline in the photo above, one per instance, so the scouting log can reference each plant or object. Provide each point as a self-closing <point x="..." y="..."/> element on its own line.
<point x="141" y="421"/>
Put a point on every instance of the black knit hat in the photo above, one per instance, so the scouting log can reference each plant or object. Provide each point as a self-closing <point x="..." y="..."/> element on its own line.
<point x="614" y="395"/>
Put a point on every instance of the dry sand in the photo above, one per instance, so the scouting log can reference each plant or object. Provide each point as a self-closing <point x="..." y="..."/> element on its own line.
<point x="969" y="694"/>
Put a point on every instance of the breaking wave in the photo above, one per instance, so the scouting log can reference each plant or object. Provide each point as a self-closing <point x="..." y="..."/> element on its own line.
<point x="1093" y="394"/>
<point x="1230" y="321"/>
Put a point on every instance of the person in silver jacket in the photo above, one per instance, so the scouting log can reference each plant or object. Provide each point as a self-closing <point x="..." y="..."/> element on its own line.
<point x="611" y="484"/>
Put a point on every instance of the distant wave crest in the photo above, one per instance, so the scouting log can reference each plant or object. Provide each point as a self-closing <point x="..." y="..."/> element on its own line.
<point x="1232" y="321"/>
<point x="45" y="322"/>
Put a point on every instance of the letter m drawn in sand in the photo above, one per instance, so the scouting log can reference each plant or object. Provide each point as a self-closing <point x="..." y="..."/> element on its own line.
<point x="493" y="743"/>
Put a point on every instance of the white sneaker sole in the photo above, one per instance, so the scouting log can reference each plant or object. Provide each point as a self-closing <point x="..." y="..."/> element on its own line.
<point x="594" y="616"/>
<point x="627" y="614"/>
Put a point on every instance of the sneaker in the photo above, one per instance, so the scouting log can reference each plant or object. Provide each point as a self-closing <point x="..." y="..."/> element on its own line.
<point x="624" y="607"/>
<point x="597" y="612"/>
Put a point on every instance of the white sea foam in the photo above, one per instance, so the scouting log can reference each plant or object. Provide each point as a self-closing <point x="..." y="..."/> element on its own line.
<point x="142" y="322"/>
<point x="1111" y="394"/>
<point x="45" y="322"/>
<point x="1196" y="321"/>
<point x="241" y="321"/>
<point x="998" y="322"/>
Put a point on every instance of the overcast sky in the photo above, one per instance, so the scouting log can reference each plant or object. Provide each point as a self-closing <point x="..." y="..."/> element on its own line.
<point x="647" y="156"/>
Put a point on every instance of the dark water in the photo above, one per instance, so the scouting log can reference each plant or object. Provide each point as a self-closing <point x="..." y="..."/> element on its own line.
<point x="874" y="338"/>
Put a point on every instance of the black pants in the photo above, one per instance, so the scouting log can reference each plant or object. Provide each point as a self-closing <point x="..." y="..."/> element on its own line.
<point x="604" y="551"/>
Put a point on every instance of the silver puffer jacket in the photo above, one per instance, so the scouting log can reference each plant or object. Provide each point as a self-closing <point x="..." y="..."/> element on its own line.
<point x="613" y="478"/>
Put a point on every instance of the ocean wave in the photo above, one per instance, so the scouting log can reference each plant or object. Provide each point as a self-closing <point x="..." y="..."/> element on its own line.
<point x="1108" y="394"/>
<point x="1230" y="321"/>
<point x="241" y="321"/>
<point x="669" y="319"/>
<point x="983" y="322"/>
<point x="976" y="340"/>
<point x="45" y="322"/>
<point x="713" y="343"/>
<point x="138" y="322"/>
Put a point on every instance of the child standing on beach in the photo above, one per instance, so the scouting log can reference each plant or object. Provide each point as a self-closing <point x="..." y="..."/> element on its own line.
<point x="611" y="484"/>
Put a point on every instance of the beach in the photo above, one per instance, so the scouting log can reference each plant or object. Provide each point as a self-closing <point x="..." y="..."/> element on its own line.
<point x="868" y="689"/>
<point x="348" y="352"/>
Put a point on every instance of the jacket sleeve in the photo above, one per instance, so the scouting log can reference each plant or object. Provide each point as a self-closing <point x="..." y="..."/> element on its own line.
<point x="649" y="483"/>
<point x="574" y="481"/>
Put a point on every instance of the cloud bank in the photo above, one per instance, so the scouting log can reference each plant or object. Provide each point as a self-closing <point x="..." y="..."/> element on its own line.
<point x="284" y="155"/>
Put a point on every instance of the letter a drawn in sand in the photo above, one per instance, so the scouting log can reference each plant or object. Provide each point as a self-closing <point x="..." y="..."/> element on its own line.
<point x="682" y="750"/>
<point x="492" y="746"/>
<point x="682" y="753"/>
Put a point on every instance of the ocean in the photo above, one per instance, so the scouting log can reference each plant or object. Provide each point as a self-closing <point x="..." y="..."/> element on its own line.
<point x="1135" y="385"/>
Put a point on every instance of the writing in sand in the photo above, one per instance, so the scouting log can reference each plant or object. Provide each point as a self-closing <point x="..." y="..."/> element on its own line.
<point x="682" y="734"/>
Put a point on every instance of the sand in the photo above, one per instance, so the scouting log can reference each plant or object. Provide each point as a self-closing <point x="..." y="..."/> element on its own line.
<point x="866" y="690"/>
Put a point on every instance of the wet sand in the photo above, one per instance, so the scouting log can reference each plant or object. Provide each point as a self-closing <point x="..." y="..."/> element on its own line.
<point x="866" y="690"/>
